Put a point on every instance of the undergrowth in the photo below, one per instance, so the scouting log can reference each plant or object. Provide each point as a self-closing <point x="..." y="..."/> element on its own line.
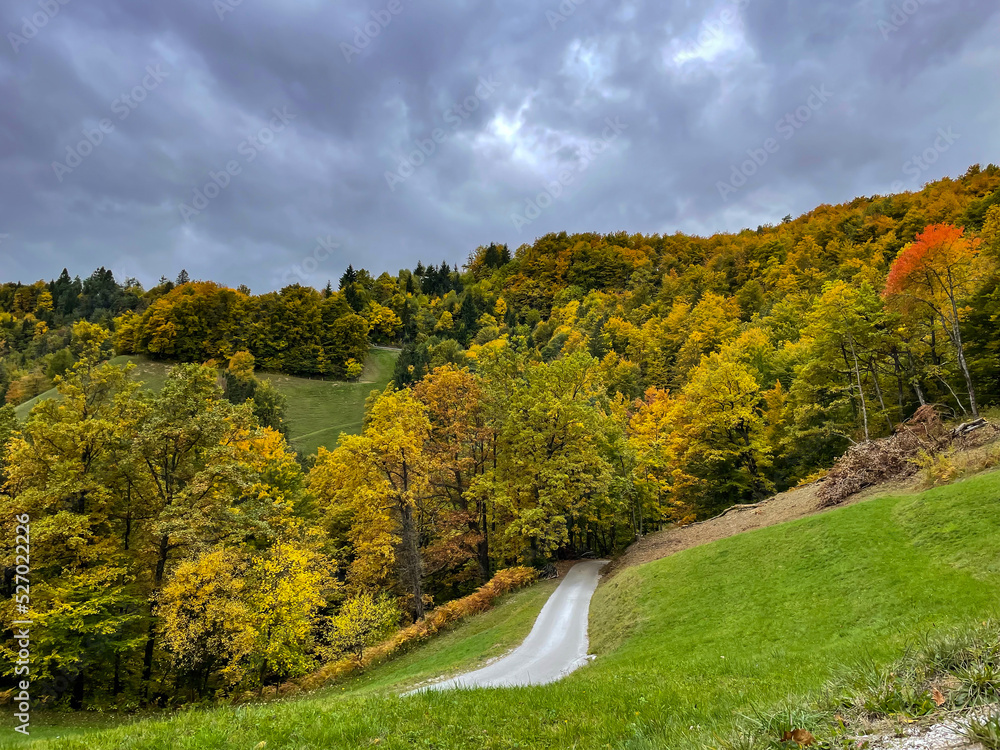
<point x="945" y="467"/>
<point x="986" y="732"/>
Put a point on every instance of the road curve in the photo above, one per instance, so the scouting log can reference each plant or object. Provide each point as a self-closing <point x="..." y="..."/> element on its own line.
<point x="556" y="645"/>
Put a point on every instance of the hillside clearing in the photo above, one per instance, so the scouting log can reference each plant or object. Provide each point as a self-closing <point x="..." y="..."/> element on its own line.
<point x="320" y="410"/>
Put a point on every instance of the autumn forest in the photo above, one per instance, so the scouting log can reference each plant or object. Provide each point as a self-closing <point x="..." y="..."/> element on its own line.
<point x="562" y="398"/>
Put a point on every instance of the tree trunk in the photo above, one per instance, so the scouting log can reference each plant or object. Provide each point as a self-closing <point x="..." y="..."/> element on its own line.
<point x="116" y="687"/>
<point x="956" y="337"/>
<point x="410" y="559"/>
<point x="861" y="392"/>
<point x="897" y="370"/>
<point x="128" y="528"/>
<point x="76" y="698"/>
<point x="483" y="548"/>
<point x="916" y="381"/>
<point x="147" y="659"/>
<point x="960" y="350"/>
<point x="878" y="392"/>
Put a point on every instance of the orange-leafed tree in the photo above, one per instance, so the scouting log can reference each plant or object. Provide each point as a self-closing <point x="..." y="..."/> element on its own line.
<point x="939" y="271"/>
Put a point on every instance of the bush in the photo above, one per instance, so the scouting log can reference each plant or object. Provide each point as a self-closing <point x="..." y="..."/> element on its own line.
<point x="937" y="468"/>
<point x="943" y="468"/>
<point x="363" y="621"/>
<point x="353" y="369"/>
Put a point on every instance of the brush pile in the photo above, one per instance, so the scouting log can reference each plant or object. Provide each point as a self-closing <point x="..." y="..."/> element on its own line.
<point x="894" y="457"/>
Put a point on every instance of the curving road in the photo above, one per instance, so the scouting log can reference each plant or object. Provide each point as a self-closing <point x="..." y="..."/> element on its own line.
<point x="556" y="645"/>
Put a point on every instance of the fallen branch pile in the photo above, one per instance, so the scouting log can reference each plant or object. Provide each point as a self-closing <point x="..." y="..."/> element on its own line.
<point x="894" y="457"/>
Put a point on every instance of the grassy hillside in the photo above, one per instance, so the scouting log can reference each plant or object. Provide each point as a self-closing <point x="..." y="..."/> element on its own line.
<point x="318" y="410"/>
<point x="685" y="644"/>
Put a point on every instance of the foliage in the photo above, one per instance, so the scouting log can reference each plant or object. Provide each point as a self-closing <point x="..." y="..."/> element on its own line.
<point x="940" y="271"/>
<point x="936" y="468"/>
<point x="352" y="369"/>
<point x="290" y="585"/>
<point x="151" y="516"/>
<point x="241" y="365"/>
<point x="376" y="483"/>
<point x="206" y="622"/>
<point x="723" y="431"/>
<point x="565" y="397"/>
<point x="247" y="616"/>
<point x="362" y="621"/>
<point x="8" y="426"/>
<point x="296" y="330"/>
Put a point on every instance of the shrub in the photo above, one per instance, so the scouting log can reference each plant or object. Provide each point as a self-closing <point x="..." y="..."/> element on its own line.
<point x="363" y="621"/>
<point x="353" y="369"/>
<point x="937" y="468"/>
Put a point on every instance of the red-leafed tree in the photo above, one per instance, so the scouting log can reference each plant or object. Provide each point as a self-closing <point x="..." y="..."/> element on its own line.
<point x="939" y="271"/>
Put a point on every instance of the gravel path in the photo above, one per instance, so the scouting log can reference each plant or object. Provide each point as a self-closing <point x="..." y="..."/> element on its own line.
<point x="943" y="736"/>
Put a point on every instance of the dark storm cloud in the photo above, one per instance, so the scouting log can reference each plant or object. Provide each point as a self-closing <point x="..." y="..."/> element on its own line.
<point x="266" y="142"/>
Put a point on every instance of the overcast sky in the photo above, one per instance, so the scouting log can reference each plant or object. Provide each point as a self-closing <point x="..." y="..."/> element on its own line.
<point x="311" y="115"/>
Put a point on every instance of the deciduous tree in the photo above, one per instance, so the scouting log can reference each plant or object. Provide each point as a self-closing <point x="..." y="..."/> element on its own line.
<point x="940" y="270"/>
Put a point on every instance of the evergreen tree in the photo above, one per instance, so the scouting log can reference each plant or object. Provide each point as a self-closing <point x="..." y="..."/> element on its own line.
<point x="349" y="288"/>
<point x="65" y="294"/>
<point x="491" y="257"/>
<point x="469" y="317"/>
<point x="348" y="278"/>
